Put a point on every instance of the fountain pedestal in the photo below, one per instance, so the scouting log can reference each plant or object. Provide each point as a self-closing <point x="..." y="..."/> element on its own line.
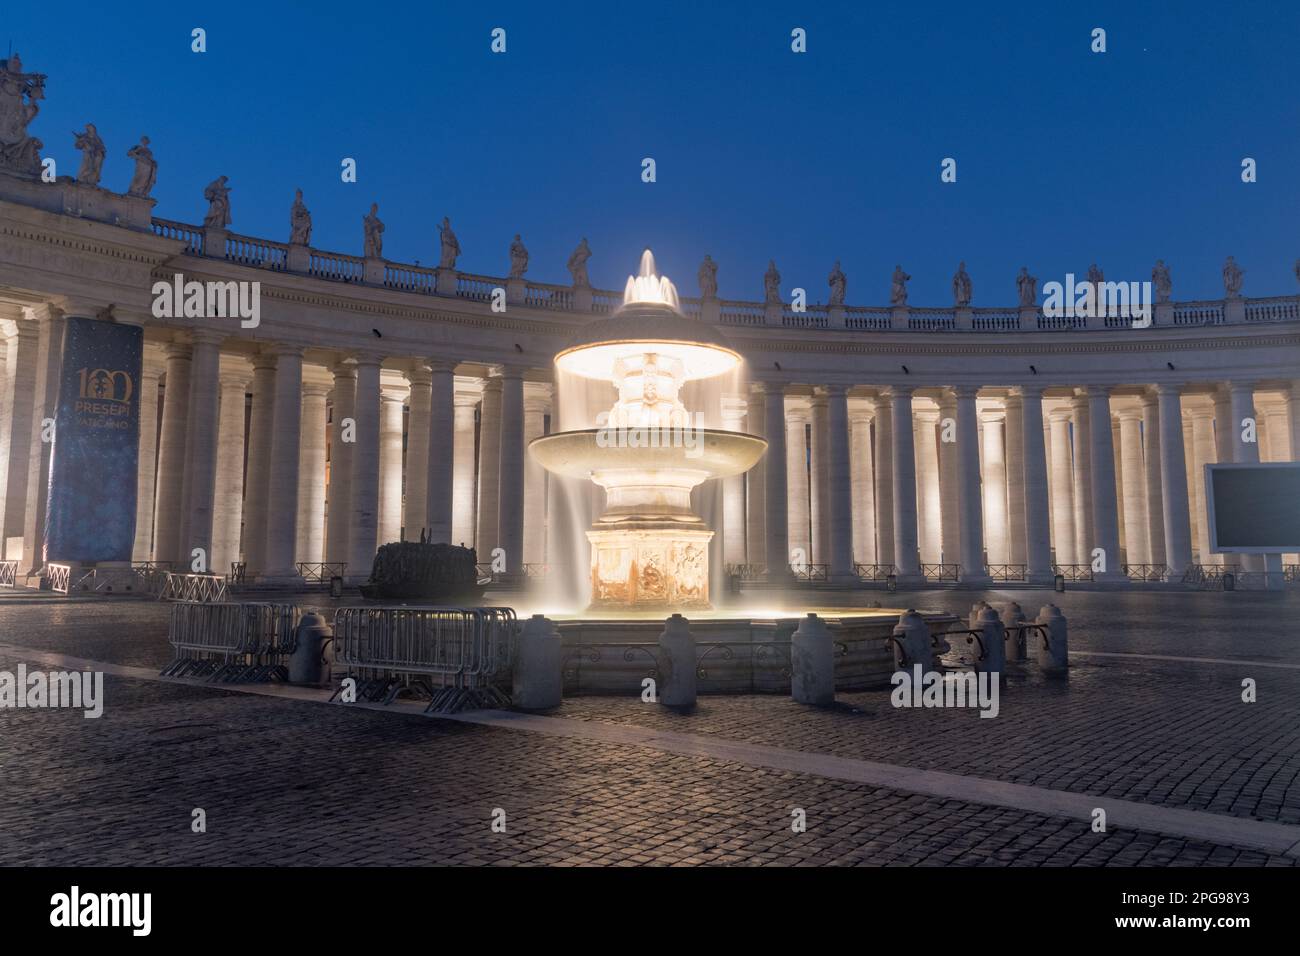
<point x="650" y="567"/>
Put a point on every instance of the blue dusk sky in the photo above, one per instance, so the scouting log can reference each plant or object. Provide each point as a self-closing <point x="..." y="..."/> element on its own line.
<point x="1064" y="156"/>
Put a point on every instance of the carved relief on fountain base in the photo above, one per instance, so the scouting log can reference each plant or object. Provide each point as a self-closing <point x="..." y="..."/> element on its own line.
<point x="650" y="568"/>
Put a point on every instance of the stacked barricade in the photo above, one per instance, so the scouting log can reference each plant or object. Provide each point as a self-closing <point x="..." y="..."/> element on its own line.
<point x="452" y="656"/>
<point x="231" y="643"/>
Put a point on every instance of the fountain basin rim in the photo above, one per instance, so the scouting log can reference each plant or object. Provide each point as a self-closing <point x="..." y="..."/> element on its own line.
<point x="579" y="453"/>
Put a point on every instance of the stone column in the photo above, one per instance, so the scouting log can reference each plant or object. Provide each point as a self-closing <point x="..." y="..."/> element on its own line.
<point x="201" y="448"/>
<point x="777" y="546"/>
<point x="1028" y="406"/>
<point x="733" y="490"/>
<point x="537" y="400"/>
<point x="840" y="482"/>
<point x="1015" y="471"/>
<point x="392" y="403"/>
<point x="511" y="515"/>
<point x="147" y="473"/>
<point x="340" y="483"/>
<point x="464" y="506"/>
<point x="1241" y="399"/>
<point x="257" y="481"/>
<point x="228" y="500"/>
<point x="282" y="491"/>
<point x="489" y="470"/>
<point x="1203" y="453"/>
<point x="363" y="532"/>
<point x="1293" y="413"/>
<point x="419" y="435"/>
<point x="171" y="457"/>
<point x="797" y="481"/>
<point x="996" y="519"/>
<point x="1173" y="480"/>
<point x="928" y="519"/>
<point x="1063" y="488"/>
<point x="1135" y="481"/>
<point x="22" y="348"/>
<point x="884" y="448"/>
<point x="310" y="545"/>
<point x="1118" y="458"/>
<point x="1151" y="465"/>
<point x="1223" y="426"/>
<point x="968" y="487"/>
<point x="863" y="481"/>
<point x="904" y="489"/>
<point x="949" y="518"/>
<point x="439" y="455"/>
<point x="819" y="480"/>
<point x="49" y="365"/>
<point x="1105" y="509"/>
<point x="756" y="485"/>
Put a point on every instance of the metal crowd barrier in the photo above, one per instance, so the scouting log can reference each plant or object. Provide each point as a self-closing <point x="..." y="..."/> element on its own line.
<point x="209" y="588"/>
<point x="452" y="656"/>
<point x="8" y="574"/>
<point x="233" y="643"/>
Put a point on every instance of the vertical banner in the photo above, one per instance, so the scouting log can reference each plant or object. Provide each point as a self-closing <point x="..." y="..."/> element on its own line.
<point x="92" y="495"/>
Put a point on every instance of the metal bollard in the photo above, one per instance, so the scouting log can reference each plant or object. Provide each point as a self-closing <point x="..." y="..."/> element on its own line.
<point x="307" y="662"/>
<point x="1052" y="649"/>
<point x="912" y="641"/>
<point x="812" y="663"/>
<point x="538" y="680"/>
<point x="994" y="635"/>
<point x="677" y="663"/>
<point x="1013" y="616"/>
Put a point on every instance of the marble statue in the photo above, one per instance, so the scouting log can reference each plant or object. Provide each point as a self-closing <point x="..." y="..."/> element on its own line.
<point x="374" y="233"/>
<point x="92" y="155"/>
<point x="772" y="284"/>
<point x="449" y="244"/>
<point x="1027" y="286"/>
<point x="1096" y="277"/>
<point x="708" y="276"/>
<point x="518" y="258"/>
<point x="898" y="288"/>
<point x="1297" y="270"/>
<point x="1161" y="279"/>
<point x="146" y="169"/>
<point x="838" y="284"/>
<point x="217" y="194"/>
<point x="961" y="287"/>
<point x="1232" y="275"/>
<point x="299" y="222"/>
<point x="577" y="265"/>
<point x="20" y="96"/>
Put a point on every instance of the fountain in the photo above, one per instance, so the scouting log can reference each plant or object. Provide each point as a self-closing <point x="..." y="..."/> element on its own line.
<point x="649" y="549"/>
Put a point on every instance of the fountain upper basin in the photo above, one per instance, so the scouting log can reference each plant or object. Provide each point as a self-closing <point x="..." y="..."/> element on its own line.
<point x="592" y="452"/>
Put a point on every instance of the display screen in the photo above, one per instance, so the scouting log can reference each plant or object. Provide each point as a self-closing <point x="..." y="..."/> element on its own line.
<point x="1254" y="508"/>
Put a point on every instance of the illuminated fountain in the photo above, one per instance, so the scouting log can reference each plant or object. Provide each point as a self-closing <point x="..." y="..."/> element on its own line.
<point x="649" y="549"/>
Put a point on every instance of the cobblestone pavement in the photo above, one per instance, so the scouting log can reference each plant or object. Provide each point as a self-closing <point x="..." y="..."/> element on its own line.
<point x="297" y="783"/>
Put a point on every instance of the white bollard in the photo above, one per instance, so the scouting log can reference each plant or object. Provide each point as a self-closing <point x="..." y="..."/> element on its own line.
<point x="994" y="635"/>
<point x="677" y="663"/>
<point x="1013" y="616"/>
<point x="309" y="657"/>
<point x="913" y="634"/>
<point x="976" y="609"/>
<point x="1053" y="648"/>
<point x="812" y="663"/>
<point x="538" y="682"/>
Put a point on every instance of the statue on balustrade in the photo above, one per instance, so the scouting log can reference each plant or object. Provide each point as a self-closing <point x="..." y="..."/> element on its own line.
<point x="1297" y="270"/>
<point x="577" y="265"/>
<point x="449" y="245"/>
<point x="708" y="278"/>
<point x="961" y="287"/>
<point x="374" y="238"/>
<point x="92" y="155"/>
<point x="898" y="288"/>
<point x="1232" y="276"/>
<point x="1027" y="286"/>
<point x="217" y="194"/>
<point x="838" y="283"/>
<point x="20" y="96"/>
<point x="772" y="284"/>
<point x="1163" y="282"/>
<point x="146" y="169"/>
<point x="299" y="222"/>
<point x="518" y="258"/>
<point x="1096" y="277"/>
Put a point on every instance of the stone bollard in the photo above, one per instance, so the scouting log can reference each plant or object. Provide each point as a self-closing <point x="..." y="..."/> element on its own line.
<point x="1053" y="654"/>
<point x="677" y="663"/>
<point x="976" y="610"/>
<point x="538" y="682"/>
<point x="307" y="662"/>
<point x="913" y="634"/>
<point x="1013" y="616"/>
<point x="812" y="663"/>
<point x="994" y="635"/>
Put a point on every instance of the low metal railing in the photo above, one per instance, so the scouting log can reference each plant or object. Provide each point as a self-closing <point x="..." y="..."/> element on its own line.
<point x="203" y="588"/>
<point x="875" y="572"/>
<point x="238" y="572"/>
<point x="8" y="574"/>
<point x="941" y="572"/>
<point x="811" y="572"/>
<point x="1008" y="572"/>
<point x="1073" y="572"/>
<point x="232" y="643"/>
<point x="321" y="573"/>
<point x="60" y="577"/>
<point x="1146" y="572"/>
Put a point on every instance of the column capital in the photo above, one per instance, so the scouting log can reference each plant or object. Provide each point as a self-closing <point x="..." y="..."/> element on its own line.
<point x="207" y="337"/>
<point x="510" y="371"/>
<point x="344" y="371"/>
<point x="394" y="393"/>
<point x="284" y="348"/>
<point x="890" y="392"/>
<point x="835" y="391"/>
<point x="1237" y="387"/>
<point x="963" y="392"/>
<point x="1129" y="413"/>
<point x="420" y="374"/>
<point x="992" y="416"/>
<point x="316" y="389"/>
<point x="441" y="365"/>
<point x="1168" y="388"/>
<point x="1059" y="415"/>
<point x="1022" y="392"/>
<point x="176" y="349"/>
<point x="368" y="358"/>
<point x="80" y="306"/>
